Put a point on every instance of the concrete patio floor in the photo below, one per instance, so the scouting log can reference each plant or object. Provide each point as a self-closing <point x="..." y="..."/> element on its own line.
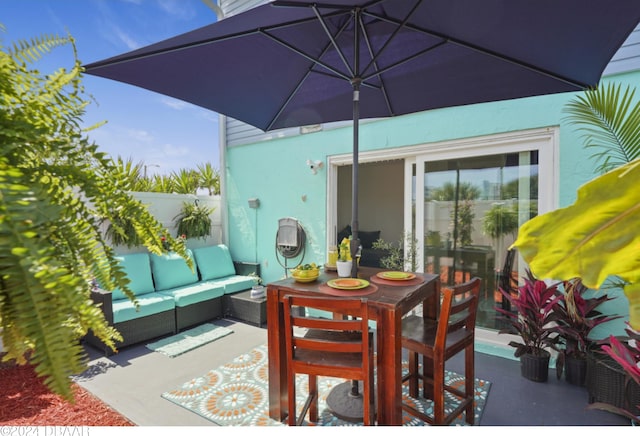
<point x="132" y="381"/>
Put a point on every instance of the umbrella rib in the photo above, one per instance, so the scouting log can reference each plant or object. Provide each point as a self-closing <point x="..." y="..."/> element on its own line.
<point x="333" y="40"/>
<point x="307" y="56"/>
<point x="399" y="26"/>
<point x="382" y="88"/>
<point x="448" y="39"/>
<point x="309" y="71"/>
<point x="402" y="61"/>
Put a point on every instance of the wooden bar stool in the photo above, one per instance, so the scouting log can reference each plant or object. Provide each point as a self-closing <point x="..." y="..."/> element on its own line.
<point x="328" y="347"/>
<point x="437" y="342"/>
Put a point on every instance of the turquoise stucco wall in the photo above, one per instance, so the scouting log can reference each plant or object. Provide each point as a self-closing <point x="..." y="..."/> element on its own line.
<point x="275" y="171"/>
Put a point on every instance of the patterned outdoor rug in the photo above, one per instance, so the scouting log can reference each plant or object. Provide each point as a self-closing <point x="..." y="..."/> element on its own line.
<point x="189" y="339"/>
<point x="237" y="394"/>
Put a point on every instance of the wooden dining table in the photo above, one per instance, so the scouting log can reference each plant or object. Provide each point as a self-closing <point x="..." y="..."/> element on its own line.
<point x="388" y="302"/>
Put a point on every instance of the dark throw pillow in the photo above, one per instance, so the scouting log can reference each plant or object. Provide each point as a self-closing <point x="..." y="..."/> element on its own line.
<point x="368" y="238"/>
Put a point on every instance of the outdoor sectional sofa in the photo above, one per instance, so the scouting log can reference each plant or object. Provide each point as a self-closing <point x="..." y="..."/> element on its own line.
<point x="170" y="295"/>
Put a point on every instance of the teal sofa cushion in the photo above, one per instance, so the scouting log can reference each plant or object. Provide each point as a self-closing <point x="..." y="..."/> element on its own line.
<point x="233" y="284"/>
<point x="214" y="262"/>
<point x="138" y="270"/>
<point x="149" y="304"/>
<point x="171" y="271"/>
<point x="192" y="294"/>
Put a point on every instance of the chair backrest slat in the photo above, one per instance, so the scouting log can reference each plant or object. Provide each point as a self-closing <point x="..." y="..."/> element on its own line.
<point x="334" y="340"/>
<point x="458" y="310"/>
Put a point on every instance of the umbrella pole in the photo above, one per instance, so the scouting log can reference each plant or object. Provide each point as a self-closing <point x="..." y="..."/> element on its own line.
<point x="345" y="400"/>
<point x="355" y="241"/>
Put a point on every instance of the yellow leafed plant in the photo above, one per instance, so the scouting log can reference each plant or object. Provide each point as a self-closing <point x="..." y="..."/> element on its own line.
<point x="595" y="238"/>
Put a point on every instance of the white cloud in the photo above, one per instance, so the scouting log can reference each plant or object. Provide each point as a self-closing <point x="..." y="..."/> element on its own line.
<point x="176" y="8"/>
<point x="124" y="37"/>
<point x="139" y="135"/>
<point x="210" y="116"/>
<point x="110" y="29"/>
<point x="175" y="104"/>
<point x="171" y="150"/>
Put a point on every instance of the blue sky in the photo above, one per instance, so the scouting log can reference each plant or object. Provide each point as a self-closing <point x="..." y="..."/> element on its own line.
<point x="141" y="125"/>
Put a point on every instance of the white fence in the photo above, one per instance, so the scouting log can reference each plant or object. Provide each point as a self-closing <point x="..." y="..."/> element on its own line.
<point x="165" y="207"/>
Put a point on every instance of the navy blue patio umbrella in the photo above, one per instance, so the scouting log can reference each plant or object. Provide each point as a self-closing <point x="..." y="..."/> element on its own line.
<point x="295" y="63"/>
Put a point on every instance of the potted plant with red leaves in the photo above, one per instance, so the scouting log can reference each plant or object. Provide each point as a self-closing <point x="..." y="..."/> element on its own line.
<point x="530" y="318"/>
<point x="575" y="316"/>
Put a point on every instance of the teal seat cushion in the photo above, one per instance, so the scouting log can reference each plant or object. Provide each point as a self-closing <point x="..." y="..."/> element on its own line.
<point x="317" y="313"/>
<point x="233" y="284"/>
<point x="214" y="262"/>
<point x="150" y="304"/>
<point x="137" y="267"/>
<point x="192" y="294"/>
<point x="171" y="271"/>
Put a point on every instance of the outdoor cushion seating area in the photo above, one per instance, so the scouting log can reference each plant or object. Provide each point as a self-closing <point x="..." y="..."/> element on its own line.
<point x="171" y="296"/>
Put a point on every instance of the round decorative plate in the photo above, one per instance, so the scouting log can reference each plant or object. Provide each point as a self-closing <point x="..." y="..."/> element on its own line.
<point x="346" y="284"/>
<point x="396" y="275"/>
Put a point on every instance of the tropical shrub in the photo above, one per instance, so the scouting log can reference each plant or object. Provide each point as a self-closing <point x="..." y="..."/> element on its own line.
<point x="55" y="190"/>
<point x="575" y="316"/>
<point x="532" y="316"/>
<point x="601" y="242"/>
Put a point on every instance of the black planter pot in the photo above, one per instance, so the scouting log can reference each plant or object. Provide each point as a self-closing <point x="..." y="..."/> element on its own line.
<point x="535" y="367"/>
<point x="575" y="370"/>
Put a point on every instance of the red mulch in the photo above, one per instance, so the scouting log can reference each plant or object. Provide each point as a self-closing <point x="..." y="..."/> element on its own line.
<point x="24" y="400"/>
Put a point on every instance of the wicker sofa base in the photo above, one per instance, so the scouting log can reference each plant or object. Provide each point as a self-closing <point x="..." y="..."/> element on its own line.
<point x="198" y="313"/>
<point x="608" y="383"/>
<point x="241" y="306"/>
<point x="139" y="330"/>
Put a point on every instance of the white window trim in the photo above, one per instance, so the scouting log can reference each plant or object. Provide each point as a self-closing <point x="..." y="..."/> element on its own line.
<point x="544" y="140"/>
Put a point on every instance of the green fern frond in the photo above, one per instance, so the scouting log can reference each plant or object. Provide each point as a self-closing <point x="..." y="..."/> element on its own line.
<point x="33" y="50"/>
<point x="55" y="189"/>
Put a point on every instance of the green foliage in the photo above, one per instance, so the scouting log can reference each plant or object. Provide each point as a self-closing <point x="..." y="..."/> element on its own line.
<point x="609" y="123"/>
<point x="463" y="222"/>
<point x="397" y="259"/>
<point x="185" y="181"/>
<point x="194" y="221"/>
<point x="209" y="178"/>
<point x="597" y="237"/>
<point x="433" y="238"/>
<point x="162" y="183"/>
<point x="500" y="220"/>
<point x="132" y="174"/>
<point x="466" y="191"/>
<point x="55" y="190"/>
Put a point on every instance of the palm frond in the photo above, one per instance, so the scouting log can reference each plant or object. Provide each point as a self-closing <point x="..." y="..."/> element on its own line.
<point x="609" y="122"/>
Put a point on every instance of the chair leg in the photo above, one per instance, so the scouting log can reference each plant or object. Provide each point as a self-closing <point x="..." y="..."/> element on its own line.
<point x="313" y="393"/>
<point x="469" y="382"/>
<point x="366" y="404"/>
<point x="291" y="419"/>
<point x="438" y="392"/>
<point x="413" y="374"/>
<point x="428" y="369"/>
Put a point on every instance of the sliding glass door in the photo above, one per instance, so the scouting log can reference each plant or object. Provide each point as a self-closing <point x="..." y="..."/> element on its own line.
<point x="469" y="215"/>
